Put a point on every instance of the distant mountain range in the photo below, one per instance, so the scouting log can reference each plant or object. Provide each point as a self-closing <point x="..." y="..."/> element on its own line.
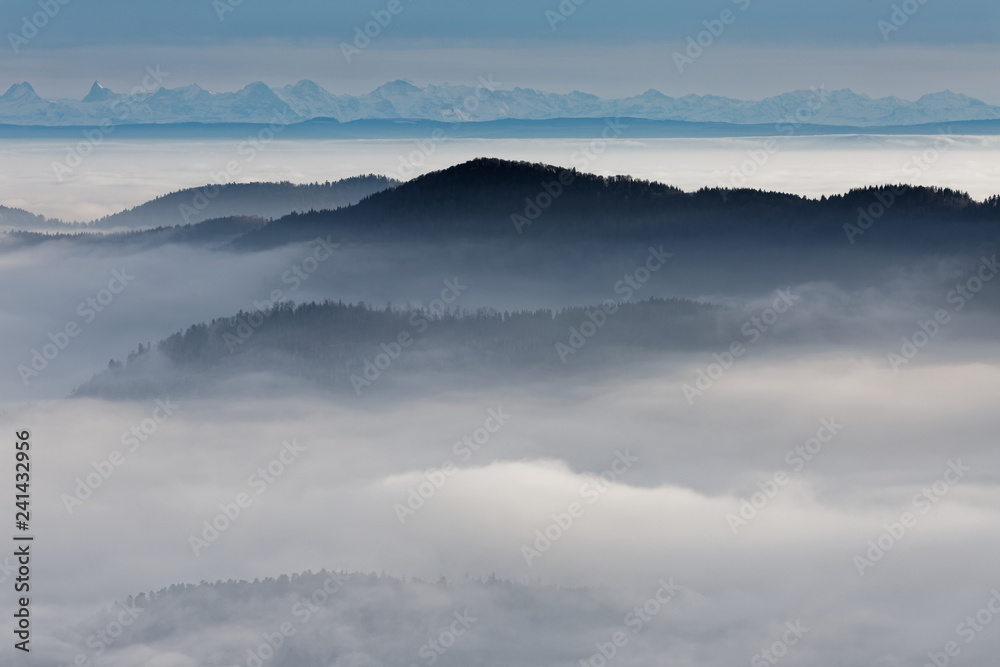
<point x="260" y="103"/>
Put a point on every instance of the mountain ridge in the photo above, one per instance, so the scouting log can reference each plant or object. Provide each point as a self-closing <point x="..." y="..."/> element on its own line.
<point x="325" y="128"/>
<point x="304" y="100"/>
<point x="213" y="201"/>
<point x="493" y="198"/>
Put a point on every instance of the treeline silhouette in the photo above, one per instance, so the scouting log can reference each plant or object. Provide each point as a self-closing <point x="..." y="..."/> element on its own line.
<point x="219" y="231"/>
<point x="332" y="343"/>
<point x="354" y="618"/>
<point x="492" y="198"/>
<point x="266" y="200"/>
<point x="16" y="218"/>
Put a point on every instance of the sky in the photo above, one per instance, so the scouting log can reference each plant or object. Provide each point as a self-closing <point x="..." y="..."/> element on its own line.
<point x="758" y="48"/>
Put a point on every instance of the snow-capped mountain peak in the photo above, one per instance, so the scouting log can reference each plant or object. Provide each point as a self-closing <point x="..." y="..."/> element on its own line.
<point x="259" y="103"/>
<point x="99" y="93"/>
<point x="20" y="91"/>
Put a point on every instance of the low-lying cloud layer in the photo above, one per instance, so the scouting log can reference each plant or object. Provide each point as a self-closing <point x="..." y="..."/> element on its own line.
<point x="832" y="468"/>
<point x="825" y="488"/>
<point x="808" y="166"/>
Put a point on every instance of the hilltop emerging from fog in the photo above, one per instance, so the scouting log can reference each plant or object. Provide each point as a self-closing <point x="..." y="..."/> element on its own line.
<point x="502" y="200"/>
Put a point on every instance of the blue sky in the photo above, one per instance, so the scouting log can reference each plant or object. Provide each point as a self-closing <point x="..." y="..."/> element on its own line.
<point x="612" y="48"/>
<point x="768" y="22"/>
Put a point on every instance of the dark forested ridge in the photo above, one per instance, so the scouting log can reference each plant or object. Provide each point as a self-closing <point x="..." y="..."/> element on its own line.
<point x="195" y="205"/>
<point x="489" y="199"/>
<point x="218" y="232"/>
<point x="492" y="198"/>
<point x="332" y="344"/>
<point x="266" y="200"/>
<point x="16" y="218"/>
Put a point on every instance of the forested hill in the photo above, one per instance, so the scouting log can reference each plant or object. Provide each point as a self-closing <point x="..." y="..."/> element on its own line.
<point x="346" y="619"/>
<point x="331" y="344"/>
<point x="265" y="200"/>
<point x="213" y="234"/>
<point x="16" y="218"/>
<point x="492" y="198"/>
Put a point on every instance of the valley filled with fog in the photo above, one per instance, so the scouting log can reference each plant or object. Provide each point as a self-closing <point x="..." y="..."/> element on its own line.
<point x="713" y="423"/>
<point x="541" y="333"/>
